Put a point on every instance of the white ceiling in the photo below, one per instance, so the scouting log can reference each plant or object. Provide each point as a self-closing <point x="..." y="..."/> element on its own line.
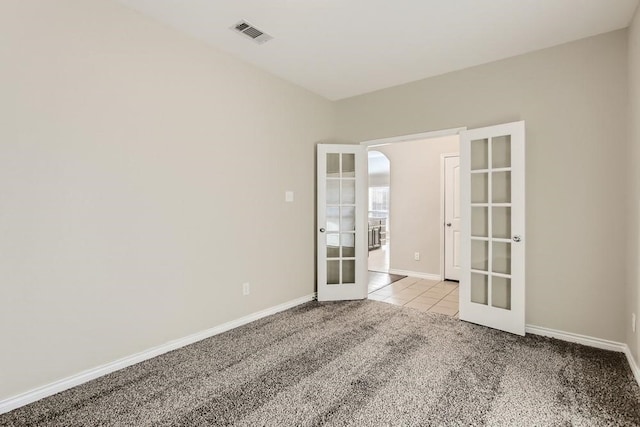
<point x="342" y="48"/>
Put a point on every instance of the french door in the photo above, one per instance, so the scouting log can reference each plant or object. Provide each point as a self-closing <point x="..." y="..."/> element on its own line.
<point x="492" y="284"/>
<point x="342" y="222"/>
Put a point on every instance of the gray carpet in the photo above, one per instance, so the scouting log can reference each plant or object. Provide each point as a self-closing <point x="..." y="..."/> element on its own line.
<point x="361" y="363"/>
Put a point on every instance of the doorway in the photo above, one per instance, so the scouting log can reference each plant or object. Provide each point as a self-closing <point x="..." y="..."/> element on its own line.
<point x="492" y="212"/>
<point x="413" y="194"/>
<point x="379" y="171"/>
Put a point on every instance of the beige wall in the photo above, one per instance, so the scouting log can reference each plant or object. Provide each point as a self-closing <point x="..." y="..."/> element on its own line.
<point x="633" y="207"/>
<point x="574" y="100"/>
<point x="415" y="202"/>
<point x="142" y="180"/>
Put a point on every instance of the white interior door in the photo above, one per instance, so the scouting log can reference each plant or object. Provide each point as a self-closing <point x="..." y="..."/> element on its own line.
<point x="342" y="222"/>
<point x="492" y="283"/>
<point x="452" y="250"/>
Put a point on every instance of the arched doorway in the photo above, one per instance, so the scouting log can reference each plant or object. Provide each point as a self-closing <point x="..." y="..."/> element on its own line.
<point x="379" y="233"/>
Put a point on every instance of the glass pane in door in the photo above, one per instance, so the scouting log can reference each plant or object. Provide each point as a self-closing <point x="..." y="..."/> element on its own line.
<point x="502" y="257"/>
<point x="501" y="292"/>
<point x="333" y="218"/>
<point x="348" y="243"/>
<point x="479" y="222"/>
<point x="479" y="288"/>
<point x="333" y="272"/>
<point x="480" y="154"/>
<point x="348" y="219"/>
<point x="479" y="188"/>
<point x="333" y="165"/>
<point x="501" y="222"/>
<point x="501" y="187"/>
<point x="340" y="215"/>
<point x="348" y="165"/>
<point x="490" y="193"/>
<point x="349" y="191"/>
<point x="348" y="271"/>
<point x="480" y="255"/>
<point x="333" y="191"/>
<point x="333" y="246"/>
<point x="501" y="151"/>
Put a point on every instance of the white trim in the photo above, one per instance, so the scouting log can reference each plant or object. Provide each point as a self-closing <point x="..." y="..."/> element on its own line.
<point x="589" y="342"/>
<point x="30" y="396"/>
<point x="417" y="274"/>
<point x="576" y="338"/>
<point x="632" y="363"/>
<point x="443" y="157"/>
<point x="413" y="137"/>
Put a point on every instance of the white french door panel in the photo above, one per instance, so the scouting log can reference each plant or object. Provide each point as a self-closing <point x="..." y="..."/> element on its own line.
<point x="452" y="236"/>
<point x="342" y="222"/>
<point x="492" y="281"/>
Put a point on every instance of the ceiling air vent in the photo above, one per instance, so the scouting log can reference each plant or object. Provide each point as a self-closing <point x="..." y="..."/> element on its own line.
<point x="252" y="32"/>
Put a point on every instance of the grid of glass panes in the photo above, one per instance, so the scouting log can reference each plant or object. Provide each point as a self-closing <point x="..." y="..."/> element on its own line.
<point x="341" y="218"/>
<point x="491" y="222"/>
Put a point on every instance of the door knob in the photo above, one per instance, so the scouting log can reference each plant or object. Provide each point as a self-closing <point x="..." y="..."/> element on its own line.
<point x="517" y="238"/>
<point x="322" y="230"/>
<point x="448" y="224"/>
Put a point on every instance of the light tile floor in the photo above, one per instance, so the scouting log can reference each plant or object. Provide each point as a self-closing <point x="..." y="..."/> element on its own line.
<point x="421" y="294"/>
<point x="379" y="259"/>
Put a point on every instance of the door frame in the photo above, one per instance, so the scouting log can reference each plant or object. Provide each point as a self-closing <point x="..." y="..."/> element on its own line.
<point x="443" y="157"/>
<point x="412" y="137"/>
<point x="415" y="137"/>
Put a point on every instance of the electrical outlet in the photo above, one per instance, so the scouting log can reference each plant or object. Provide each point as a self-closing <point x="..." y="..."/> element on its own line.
<point x="633" y="322"/>
<point x="246" y="290"/>
<point x="416" y="256"/>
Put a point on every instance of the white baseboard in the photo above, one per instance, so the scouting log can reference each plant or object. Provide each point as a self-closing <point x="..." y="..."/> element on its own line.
<point x="576" y="338"/>
<point x="590" y="342"/>
<point x="30" y="396"/>
<point x="417" y="274"/>
<point x="632" y="363"/>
